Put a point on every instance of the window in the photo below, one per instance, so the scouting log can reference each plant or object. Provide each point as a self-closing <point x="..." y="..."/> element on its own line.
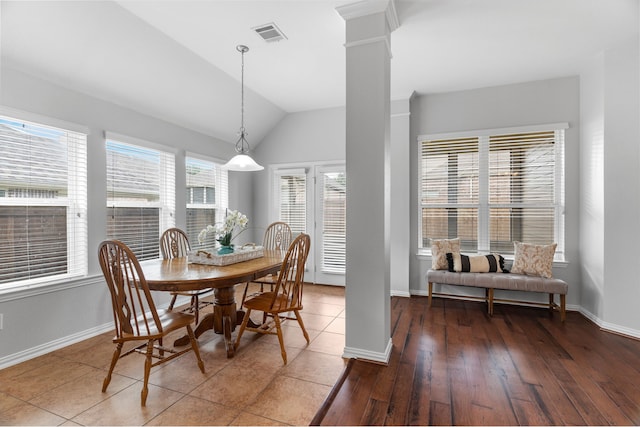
<point x="207" y="195"/>
<point x="43" y="203"/>
<point x="333" y="201"/>
<point x="493" y="188"/>
<point x="140" y="196"/>
<point x="292" y="207"/>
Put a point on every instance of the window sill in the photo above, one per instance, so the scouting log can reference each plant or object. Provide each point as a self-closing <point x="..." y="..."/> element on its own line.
<point x="26" y="291"/>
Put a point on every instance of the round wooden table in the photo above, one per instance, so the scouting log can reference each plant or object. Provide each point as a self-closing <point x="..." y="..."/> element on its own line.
<point x="178" y="274"/>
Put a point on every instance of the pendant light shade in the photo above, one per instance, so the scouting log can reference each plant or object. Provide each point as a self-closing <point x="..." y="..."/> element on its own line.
<point x="242" y="161"/>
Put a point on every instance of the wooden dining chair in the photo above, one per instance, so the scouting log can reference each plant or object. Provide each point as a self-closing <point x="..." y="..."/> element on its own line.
<point x="135" y="315"/>
<point x="284" y="300"/>
<point x="277" y="236"/>
<point x="174" y="243"/>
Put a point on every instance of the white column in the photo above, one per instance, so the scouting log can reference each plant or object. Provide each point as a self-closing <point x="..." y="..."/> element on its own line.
<point x="368" y="57"/>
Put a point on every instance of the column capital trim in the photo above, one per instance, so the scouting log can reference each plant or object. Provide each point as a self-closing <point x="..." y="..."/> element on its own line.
<point x="371" y="7"/>
<point x="371" y="40"/>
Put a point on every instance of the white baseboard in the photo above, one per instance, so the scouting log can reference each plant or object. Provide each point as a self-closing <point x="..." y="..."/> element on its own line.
<point x="605" y="326"/>
<point x="48" y="347"/>
<point x="30" y="353"/>
<point x="349" y="352"/>
<point x="358" y="353"/>
<point x="610" y="327"/>
<point x="400" y="294"/>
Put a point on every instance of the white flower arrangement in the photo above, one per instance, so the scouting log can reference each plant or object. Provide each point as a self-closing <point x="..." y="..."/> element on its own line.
<point x="224" y="231"/>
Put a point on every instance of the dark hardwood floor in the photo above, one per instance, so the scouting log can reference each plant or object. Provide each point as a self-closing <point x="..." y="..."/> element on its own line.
<point x="453" y="365"/>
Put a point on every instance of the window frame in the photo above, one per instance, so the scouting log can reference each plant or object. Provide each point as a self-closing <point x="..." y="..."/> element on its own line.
<point x="483" y="206"/>
<point x="74" y="203"/>
<point x="167" y="185"/>
<point x="221" y="191"/>
<point x="276" y="175"/>
<point x="326" y="250"/>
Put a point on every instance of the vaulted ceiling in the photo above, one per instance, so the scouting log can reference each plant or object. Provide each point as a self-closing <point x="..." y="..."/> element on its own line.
<point x="177" y="60"/>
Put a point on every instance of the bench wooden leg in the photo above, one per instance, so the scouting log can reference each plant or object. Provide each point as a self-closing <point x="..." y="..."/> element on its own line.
<point x="563" y="305"/>
<point x="430" y="294"/>
<point x="490" y="298"/>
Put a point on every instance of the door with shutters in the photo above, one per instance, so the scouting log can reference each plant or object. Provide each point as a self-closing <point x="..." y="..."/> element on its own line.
<point x="330" y="225"/>
<point x="312" y="199"/>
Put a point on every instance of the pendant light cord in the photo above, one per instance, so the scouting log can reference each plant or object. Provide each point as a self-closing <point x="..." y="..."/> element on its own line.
<point x="242" y="142"/>
<point x="242" y="161"/>
<point x="242" y="93"/>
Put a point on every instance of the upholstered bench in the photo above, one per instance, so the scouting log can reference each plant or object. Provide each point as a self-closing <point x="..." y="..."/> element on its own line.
<point x="503" y="281"/>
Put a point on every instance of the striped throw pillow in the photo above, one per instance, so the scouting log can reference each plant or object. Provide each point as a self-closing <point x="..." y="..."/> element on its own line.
<point x="493" y="263"/>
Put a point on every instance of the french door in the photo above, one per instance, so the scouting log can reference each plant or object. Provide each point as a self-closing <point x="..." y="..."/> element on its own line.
<point x="312" y="199"/>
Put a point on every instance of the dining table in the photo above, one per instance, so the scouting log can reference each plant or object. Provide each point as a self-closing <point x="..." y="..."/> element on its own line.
<point x="179" y="274"/>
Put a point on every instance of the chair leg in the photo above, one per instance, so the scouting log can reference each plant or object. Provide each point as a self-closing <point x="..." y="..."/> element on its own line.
<point x="244" y="294"/>
<point x="114" y="360"/>
<point x="299" y="319"/>
<point x="147" y="371"/>
<point x="195" y="347"/>
<point x="265" y="314"/>
<point x="173" y="301"/>
<point x="195" y="306"/>
<point x="243" y="325"/>
<point x="563" y="307"/>
<point x="430" y="294"/>
<point x="283" y="352"/>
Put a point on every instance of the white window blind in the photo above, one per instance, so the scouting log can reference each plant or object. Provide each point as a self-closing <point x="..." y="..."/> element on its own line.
<point x="449" y="190"/>
<point x="334" y="224"/>
<point x="522" y="193"/>
<point x="494" y="188"/>
<point x="140" y="196"/>
<point x="43" y="203"/>
<point x="292" y="197"/>
<point x="207" y="195"/>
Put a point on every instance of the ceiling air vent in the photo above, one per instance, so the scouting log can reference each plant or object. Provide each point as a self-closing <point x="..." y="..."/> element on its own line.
<point x="269" y="32"/>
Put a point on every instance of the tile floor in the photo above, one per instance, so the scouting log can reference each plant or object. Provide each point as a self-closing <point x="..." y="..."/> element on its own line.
<point x="253" y="388"/>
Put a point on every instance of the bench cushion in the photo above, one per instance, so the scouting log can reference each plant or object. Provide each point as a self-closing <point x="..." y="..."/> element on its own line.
<point x="509" y="281"/>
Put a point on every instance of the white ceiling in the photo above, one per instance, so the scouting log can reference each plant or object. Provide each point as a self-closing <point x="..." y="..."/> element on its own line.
<point x="177" y="59"/>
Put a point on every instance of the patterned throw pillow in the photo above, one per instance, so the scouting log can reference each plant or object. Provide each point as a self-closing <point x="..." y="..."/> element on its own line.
<point x="493" y="263"/>
<point x="533" y="260"/>
<point x="439" y="249"/>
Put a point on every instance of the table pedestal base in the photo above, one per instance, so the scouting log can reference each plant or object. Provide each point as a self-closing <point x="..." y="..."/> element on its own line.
<point x="223" y="320"/>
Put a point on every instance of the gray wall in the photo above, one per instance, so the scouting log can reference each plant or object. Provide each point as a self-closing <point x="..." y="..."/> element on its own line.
<point x="309" y="136"/>
<point x="602" y="184"/>
<point x="319" y="136"/>
<point x="36" y="321"/>
<point x="533" y="103"/>
<point x="592" y="186"/>
<point x="610" y="197"/>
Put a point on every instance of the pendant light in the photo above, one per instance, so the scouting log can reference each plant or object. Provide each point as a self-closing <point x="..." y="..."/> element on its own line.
<point x="242" y="161"/>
